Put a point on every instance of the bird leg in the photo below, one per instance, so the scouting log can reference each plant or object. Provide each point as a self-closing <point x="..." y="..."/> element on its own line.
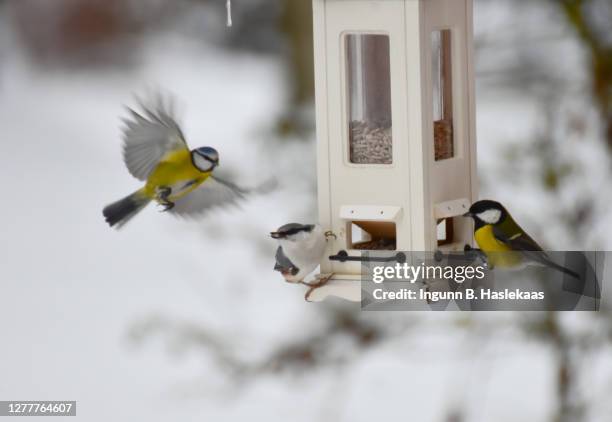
<point x="161" y="195"/>
<point x="475" y="253"/>
<point x="323" y="280"/>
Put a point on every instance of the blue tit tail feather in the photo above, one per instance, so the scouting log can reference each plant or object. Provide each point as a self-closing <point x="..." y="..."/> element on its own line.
<point x="120" y="212"/>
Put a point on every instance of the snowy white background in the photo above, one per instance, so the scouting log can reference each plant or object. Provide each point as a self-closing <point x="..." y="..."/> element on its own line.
<point x="76" y="298"/>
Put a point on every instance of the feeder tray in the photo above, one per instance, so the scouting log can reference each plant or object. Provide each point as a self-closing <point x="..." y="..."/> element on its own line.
<point x="382" y="236"/>
<point x="376" y="245"/>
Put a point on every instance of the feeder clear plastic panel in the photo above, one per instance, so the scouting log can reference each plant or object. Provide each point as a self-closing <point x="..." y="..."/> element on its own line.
<point x="442" y="94"/>
<point x="369" y="99"/>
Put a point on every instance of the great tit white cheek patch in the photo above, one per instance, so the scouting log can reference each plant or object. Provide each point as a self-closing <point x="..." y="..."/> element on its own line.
<point x="491" y="216"/>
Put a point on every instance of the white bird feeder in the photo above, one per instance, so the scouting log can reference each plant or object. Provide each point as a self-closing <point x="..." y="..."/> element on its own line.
<point x="395" y="122"/>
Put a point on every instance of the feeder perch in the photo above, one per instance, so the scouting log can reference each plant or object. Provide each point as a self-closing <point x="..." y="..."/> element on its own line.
<point x="396" y="148"/>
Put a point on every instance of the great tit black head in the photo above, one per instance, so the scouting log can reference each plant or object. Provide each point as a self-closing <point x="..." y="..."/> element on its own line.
<point x="487" y="212"/>
<point x="291" y="229"/>
<point x="205" y="158"/>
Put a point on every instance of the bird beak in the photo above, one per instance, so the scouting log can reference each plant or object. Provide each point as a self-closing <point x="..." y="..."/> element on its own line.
<point x="275" y="235"/>
<point x="468" y="214"/>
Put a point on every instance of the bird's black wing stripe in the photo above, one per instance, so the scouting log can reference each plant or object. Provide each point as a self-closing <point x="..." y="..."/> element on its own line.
<point x="525" y="244"/>
<point x="519" y="241"/>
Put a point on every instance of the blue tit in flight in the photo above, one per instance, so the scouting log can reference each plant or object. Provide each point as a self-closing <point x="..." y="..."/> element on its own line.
<point x="301" y="248"/>
<point x="177" y="178"/>
<point x="503" y="241"/>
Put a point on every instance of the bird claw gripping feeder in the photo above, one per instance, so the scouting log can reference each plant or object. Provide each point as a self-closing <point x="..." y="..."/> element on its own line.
<point x="395" y="120"/>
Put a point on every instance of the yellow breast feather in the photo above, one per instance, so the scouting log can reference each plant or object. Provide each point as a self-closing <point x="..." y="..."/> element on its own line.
<point x="176" y="171"/>
<point x="498" y="253"/>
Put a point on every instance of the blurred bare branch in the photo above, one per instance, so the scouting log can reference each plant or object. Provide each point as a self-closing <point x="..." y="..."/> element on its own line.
<point x="321" y="348"/>
<point x="600" y="54"/>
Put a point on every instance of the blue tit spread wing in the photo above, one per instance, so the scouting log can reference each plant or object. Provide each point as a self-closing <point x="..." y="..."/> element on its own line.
<point x="284" y="264"/>
<point x="149" y="136"/>
<point x="522" y="242"/>
<point x="217" y="192"/>
<point x="212" y="193"/>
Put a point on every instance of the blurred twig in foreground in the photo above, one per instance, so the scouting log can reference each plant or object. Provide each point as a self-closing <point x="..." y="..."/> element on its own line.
<point x="321" y="348"/>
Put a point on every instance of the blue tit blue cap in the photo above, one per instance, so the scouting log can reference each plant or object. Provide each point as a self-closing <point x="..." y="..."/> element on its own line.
<point x="209" y="153"/>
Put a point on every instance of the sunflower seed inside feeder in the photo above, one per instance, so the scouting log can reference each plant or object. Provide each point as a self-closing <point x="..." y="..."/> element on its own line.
<point x="370" y="143"/>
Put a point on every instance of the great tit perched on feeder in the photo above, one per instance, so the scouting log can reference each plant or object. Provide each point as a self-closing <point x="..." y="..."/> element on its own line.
<point x="177" y="178"/>
<point x="301" y="249"/>
<point x="504" y="242"/>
